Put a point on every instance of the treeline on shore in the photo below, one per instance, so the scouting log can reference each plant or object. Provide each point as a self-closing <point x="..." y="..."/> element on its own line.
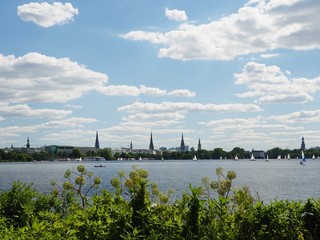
<point x="216" y="153"/>
<point x="137" y="209"/>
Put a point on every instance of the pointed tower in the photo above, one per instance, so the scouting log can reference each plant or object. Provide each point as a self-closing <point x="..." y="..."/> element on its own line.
<point x="199" y="145"/>
<point x="182" y="145"/>
<point x="303" y="145"/>
<point x="151" y="147"/>
<point x="28" y="143"/>
<point x="97" y="145"/>
<point x="131" y="145"/>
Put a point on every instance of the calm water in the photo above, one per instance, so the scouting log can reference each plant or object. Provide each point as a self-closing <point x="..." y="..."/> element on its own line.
<point x="281" y="179"/>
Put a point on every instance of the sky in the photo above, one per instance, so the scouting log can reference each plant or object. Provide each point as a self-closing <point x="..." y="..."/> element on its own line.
<point x="230" y="73"/>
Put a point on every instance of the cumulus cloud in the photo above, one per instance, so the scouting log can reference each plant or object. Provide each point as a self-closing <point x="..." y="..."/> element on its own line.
<point x="127" y="90"/>
<point x="303" y="116"/>
<point x="38" y="78"/>
<point x="257" y="27"/>
<point x="69" y="122"/>
<point x="182" y="93"/>
<point x="188" y="107"/>
<point x="271" y="85"/>
<point x="24" y="111"/>
<point x="46" y="14"/>
<point x="176" y="15"/>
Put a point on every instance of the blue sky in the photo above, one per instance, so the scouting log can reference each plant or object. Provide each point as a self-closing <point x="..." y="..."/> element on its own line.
<point x="232" y="73"/>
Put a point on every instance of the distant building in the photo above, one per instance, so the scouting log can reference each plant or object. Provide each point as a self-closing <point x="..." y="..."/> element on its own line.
<point x="258" y="154"/>
<point x="59" y="149"/>
<point x="303" y="145"/>
<point x="97" y="144"/>
<point x="151" y="147"/>
<point x="199" y="145"/>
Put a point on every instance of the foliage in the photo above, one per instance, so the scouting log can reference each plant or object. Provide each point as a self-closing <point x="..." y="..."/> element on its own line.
<point x="136" y="209"/>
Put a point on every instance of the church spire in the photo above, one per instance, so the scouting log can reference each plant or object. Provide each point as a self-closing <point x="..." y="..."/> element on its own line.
<point x="151" y="147"/>
<point x="28" y="143"/>
<point x="182" y="146"/>
<point x="199" y="145"/>
<point x="97" y="145"/>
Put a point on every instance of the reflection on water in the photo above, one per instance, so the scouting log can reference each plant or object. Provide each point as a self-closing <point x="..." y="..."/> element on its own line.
<point x="281" y="179"/>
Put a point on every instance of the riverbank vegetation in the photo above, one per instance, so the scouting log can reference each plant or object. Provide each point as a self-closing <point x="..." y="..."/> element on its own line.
<point x="136" y="209"/>
<point x="216" y="153"/>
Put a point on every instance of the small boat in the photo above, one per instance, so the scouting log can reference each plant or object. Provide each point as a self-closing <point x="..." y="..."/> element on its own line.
<point x="267" y="159"/>
<point x="289" y="156"/>
<point x="194" y="158"/>
<point x="99" y="165"/>
<point x="303" y="159"/>
<point x="236" y="158"/>
<point x="140" y="159"/>
<point x="279" y="157"/>
<point x="313" y="157"/>
<point x="252" y="158"/>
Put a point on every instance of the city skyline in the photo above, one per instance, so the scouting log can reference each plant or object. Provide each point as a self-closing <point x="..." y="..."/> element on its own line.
<point x="181" y="147"/>
<point x="233" y="74"/>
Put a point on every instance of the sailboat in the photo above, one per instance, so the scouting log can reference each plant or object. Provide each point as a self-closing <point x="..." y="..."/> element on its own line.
<point x="252" y="158"/>
<point x="195" y="158"/>
<point x="289" y="156"/>
<point x="279" y="157"/>
<point x="303" y="159"/>
<point x="313" y="157"/>
<point x="236" y="158"/>
<point x="267" y="160"/>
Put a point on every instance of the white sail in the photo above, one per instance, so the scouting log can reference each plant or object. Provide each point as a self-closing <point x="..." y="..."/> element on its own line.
<point x="289" y="156"/>
<point x="267" y="160"/>
<point x="279" y="157"/>
<point x="236" y="157"/>
<point x="313" y="156"/>
<point x="195" y="158"/>
<point x="303" y="159"/>
<point x="252" y="158"/>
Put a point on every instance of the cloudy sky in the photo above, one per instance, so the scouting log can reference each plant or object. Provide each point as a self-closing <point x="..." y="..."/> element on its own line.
<point x="232" y="73"/>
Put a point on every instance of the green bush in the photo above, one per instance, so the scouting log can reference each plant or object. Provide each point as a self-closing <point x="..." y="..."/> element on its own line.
<point x="136" y="209"/>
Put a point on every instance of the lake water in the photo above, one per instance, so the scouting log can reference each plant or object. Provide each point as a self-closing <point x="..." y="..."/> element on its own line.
<point x="280" y="179"/>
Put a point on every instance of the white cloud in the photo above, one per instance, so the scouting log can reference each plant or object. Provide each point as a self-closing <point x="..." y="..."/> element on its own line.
<point x="72" y="106"/>
<point x="46" y="14"/>
<point x="125" y="90"/>
<point x="69" y="122"/>
<point x="176" y="15"/>
<point x="182" y="93"/>
<point x="246" y="124"/>
<point x="39" y="78"/>
<point x="258" y="27"/>
<point x="271" y="85"/>
<point x="303" y="116"/>
<point x="188" y="107"/>
<point x="24" y="111"/>
<point x="142" y="117"/>
<point x="269" y="55"/>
